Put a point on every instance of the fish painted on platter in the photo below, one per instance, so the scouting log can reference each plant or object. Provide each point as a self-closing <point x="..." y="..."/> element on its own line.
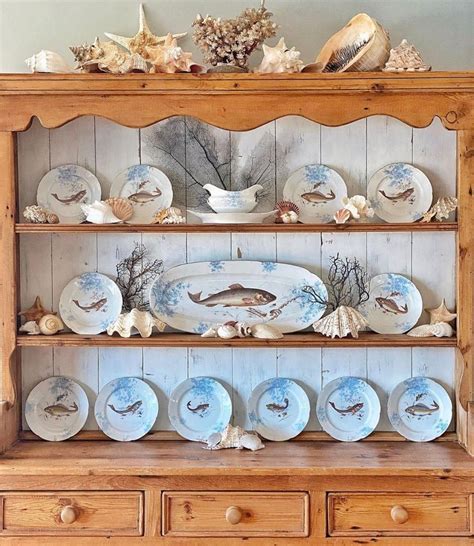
<point x="278" y="408"/>
<point x="60" y="410"/>
<point x="421" y="410"/>
<point x="76" y="198"/>
<point x="96" y="306"/>
<point x="200" y="409"/>
<point x="351" y="410"/>
<point x="402" y="196"/>
<point x="235" y="296"/>
<point x="318" y="197"/>
<point x="142" y="196"/>
<point x="129" y="410"/>
<point x="390" y="306"/>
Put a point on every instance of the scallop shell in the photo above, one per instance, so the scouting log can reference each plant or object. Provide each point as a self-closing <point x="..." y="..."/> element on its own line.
<point x="265" y="331"/>
<point x="48" y="61"/>
<point x="38" y="215"/>
<point x="99" y="213"/>
<point x="440" y="329"/>
<point x="141" y="322"/>
<point x="340" y="323"/>
<point x="341" y="216"/>
<point x="405" y="58"/>
<point x="31" y="328"/>
<point x="362" y="45"/>
<point x="50" y="325"/>
<point x="121" y="208"/>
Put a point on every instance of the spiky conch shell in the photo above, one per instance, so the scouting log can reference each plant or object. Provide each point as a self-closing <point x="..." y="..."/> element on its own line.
<point x="48" y="62"/>
<point x="107" y="57"/>
<point x="121" y="208"/>
<point x="340" y="323"/>
<point x="50" y="325"/>
<point x="169" y="58"/>
<point x="38" y="215"/>
<point x="439" y="329"/>
<point x="405" y="58"/>
<point x="141" y="322"/>
<point x="279" y="59"/>
<point x="362" y="45"/>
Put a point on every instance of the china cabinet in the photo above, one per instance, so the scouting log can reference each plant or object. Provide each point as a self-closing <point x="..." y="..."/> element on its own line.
<point x="161" y="490"/>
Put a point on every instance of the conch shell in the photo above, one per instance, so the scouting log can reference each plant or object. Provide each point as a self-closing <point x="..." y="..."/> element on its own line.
<point x="48" y="61"/>
<point x="341" y="322"/>
<point x="38" y="215"/>
<point x="121" y="208"/>
<point x="99" y="212"/>
<point x="280" y="59"/>
<point x="362" y="45"/>
<point x="235" y="437"/>
<point x="171" y="58"/>
<point x="405" y="58"/>
<point x="136" y="322"/>
<point x="50" y="325"/>
<point x="440" y="329"/>
<point x="441" y="209"/>
<point x="107" y="57"/>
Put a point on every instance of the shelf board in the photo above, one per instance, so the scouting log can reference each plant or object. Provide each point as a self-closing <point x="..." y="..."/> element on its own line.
<point x="301" y="340"/>
<point x="238" y="228"/>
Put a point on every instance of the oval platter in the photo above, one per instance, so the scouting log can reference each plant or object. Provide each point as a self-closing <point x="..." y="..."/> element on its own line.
<point x="197" y="296"/>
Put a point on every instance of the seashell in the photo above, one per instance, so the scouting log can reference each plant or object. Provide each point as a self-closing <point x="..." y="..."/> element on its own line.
<point x="48" y="61"/>
<point x="50" y="325"/>
<point x="121" y="208"/>
<point x="235" y="437"/>
<point x="362" y="45"/>
<point x="340" y="323"/>
<point x="265" y="331"/>
<point x="211" y="332"/>
<point x="441" y="313"/>
<point x="341" y="216"/>
<point x="38" y="215"/>
<point x="171" y="215"/>
<point x="287" y="213"/>
<point x="170" y="58"/>
<point x="441" y="209"/>
<point x="31" y="328"/>
<point x="227" y="331"/>
<point x="35" y="312"/>
<point x="280" y="59"/>
<point x="405" y="58"/>
<point x="440" y="329"/>
<point x="243" y="330"/>
<point x="252" y="442"/>
<point x="99" y="213"/>
<point x="136" y="322"/>
<point x="358" y="206"/>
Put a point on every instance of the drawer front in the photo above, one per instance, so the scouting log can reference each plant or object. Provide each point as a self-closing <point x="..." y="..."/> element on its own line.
<point x="72" y="513"/>
<point x="398" y="514"/>
<point x="235" y="514"/>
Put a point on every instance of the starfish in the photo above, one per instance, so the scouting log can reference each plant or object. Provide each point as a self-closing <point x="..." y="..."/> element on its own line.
<point x="441" y="314"/>
<point x="143" y="39"/>
<point x="36" y="311"/>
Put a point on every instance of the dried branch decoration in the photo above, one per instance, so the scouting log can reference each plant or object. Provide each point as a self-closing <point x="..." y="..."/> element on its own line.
<point x="232" y="41"/>
<point x="346" y="282"/>
<point x="134" y="275"/>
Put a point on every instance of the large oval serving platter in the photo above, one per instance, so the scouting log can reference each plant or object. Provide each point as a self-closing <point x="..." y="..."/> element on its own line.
<point x="195" y="297"/>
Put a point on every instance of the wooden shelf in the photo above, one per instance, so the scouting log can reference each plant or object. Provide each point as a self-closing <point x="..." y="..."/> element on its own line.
<point x="229" y="228"/>
<point x="302" y="340"/>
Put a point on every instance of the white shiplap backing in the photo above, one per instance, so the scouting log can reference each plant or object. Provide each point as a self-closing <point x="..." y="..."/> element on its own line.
<point x="268" y="155"/>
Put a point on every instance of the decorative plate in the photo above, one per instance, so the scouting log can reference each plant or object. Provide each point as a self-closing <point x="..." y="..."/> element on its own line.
<point x="64" y="189"/>
<point x="126" y="409"/>
<point x="232" y="217"/>
<point x="419" y="409"/>
<point x="394" y="305"/>
<point x="56" y="409"/>
<point x="199" y="407"/>
<point x="195" y="297"/>
<point x="348" y="409"/>
<point x="400" y="193"/>
<point x="278" y="409"/>
<point x="90" y="303"/>
<point x="148" y="188"/>
<point x="318" y="191"/>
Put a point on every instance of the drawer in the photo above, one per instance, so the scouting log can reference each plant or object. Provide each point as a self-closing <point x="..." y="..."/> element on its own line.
<point x="72" y="513"/>
<point x="235" y="513"/>
<point x="398" y="514"/>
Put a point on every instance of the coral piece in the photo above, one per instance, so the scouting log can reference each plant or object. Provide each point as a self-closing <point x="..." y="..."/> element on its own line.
<point x="439" y="329"/>
<point x="441" y="209"/>
<point x="171" y="215"/>
<point x="341" y="322"/>
<point x="48" y="61"/>
<point x="99" y="212"/>
<point x="50" y="325"/>
<point x="265" y="331"/>
<point x="341" y="216"/>
<point x="170" y="58"/>
<point x="280" y="59"/>
<point x="121" y="208"/>
<point x="38" y="215"/>
<point x="441" y="313"/>
<point x="235" y="437"/>
<point x="287" y="213"/>
<point x="358" y="206"/>
<point x="31" y="328"/>
<point x="35" y="312"/>
<point x="136" y="322"/>
<point x="232" y="41"/>
<point x="405" y="58"/>
<point x="346" y="283"/>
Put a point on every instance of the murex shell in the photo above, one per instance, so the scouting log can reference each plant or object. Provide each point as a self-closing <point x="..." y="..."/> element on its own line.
<point x="405" y="58"/>
<point x="440" y="329"/>
<point x="99" y="212"/>
<point x="49" y="62"/>
<point x="141" y="322"/>
<point x="341" y="322"/>
<point x="121" y="208"/>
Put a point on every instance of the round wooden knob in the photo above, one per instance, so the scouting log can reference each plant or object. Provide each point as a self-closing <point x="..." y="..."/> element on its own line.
<point x="233" y="515"/>
<point x="399" y="514"/>
<point x="68" y="515"/>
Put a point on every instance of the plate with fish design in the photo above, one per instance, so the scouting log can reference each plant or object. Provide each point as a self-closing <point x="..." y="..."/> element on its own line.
<point x="126" y="409"/>
<point x="56" y="409"/>
<point x="90" y="303"/>
<point x="147" y="188"/>
<point x="278" y="409"/>
<point x="400" y="193"/>
<point x="197" y="296"/>
<point x="64" y="189"/>
<point x="394" y="305"/>
<point x="318" y="192"/>
<point x="199" y="407"/>
<point x="419" y="409"/>
<point x="348" y="409"/>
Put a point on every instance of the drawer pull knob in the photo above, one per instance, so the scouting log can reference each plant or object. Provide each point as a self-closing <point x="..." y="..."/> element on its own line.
<point x="399" y="514"/>
<point x="233" y="515"/>
<point x="68" y="515"/>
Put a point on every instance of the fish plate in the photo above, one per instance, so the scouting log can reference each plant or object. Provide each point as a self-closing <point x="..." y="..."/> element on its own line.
<point x="197" y="296"/>
<point x="419" y="409"/>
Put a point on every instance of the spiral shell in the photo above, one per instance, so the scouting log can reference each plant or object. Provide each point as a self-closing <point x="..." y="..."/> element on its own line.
<point x="50" y="325"/>
<point x="122" y="208"/>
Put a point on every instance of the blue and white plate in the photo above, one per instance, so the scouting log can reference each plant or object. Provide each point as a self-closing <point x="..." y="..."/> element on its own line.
<point x="278" y="409"/>
<point x="126" y="409"/>
<point x="419" y="409"/>
<point x="348" y="409"/>
<point x="400" y="193"/>
<point x="64" y="189"/>
<point x="90" y="303"/>
<point x="148" y="189"/>
<point x="56" y="409"/>
<point x="199" y="407"/>
<point x="394" y="305"/>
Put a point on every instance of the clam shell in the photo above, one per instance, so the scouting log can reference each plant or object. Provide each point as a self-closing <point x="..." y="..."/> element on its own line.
<point x="141" y="322"/>
<point x="48" y="61"/>
<point x="50" y="325"/>
<point x="265" y="331"/>
<point x="121" y="208"/>
<point x="226" y="331"/>
<point x="440" y="329"/>
<point x="252" y="442"/>
<point x="99" y="213"/>
<point x="340" y="323"/>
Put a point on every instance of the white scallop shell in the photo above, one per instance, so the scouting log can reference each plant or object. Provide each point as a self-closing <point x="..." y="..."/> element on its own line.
<point x="265" y="331"/>
<point x="50" y="325"/>
<point x="31" y="328"/>
<point x="48" y="61"/>
<point x="340" y="323"/>
<point x="141" y="322"/>
<point x="99" y="212"/>
<point x="440" y="329"/>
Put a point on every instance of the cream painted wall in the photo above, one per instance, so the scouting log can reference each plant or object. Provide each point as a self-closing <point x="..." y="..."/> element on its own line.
<point x="442" y="29"/>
